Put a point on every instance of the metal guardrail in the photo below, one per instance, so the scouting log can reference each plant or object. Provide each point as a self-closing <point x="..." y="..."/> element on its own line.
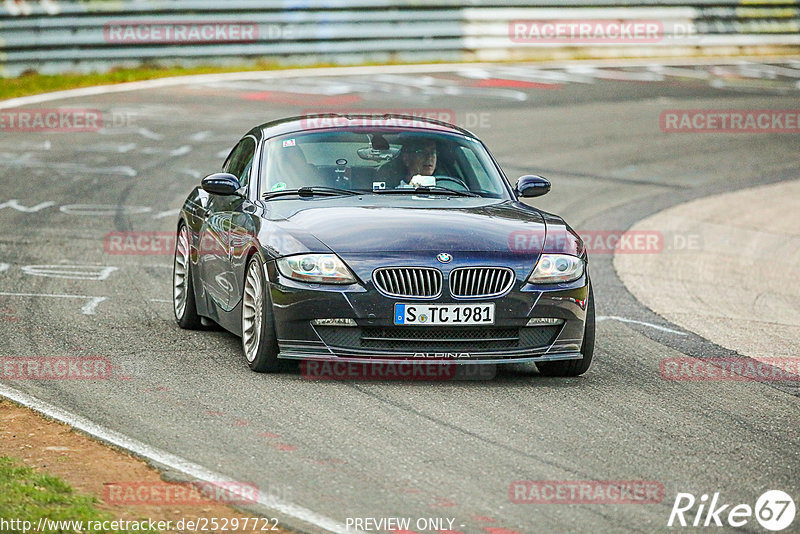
<point x="62" y="35"/>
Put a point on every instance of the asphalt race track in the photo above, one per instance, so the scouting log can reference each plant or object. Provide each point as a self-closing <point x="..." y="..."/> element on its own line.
<point x="376" y="449"/>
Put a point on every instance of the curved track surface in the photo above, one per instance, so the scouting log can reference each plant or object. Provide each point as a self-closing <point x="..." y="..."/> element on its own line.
<point x="399" y="449"/>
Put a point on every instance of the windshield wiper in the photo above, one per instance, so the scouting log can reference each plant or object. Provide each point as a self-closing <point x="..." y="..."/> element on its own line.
<point x="436" y="189"/>
<point x="311" y="191"/>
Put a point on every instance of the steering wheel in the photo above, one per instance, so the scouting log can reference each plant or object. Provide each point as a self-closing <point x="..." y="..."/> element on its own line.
<point x="451" y="179"/>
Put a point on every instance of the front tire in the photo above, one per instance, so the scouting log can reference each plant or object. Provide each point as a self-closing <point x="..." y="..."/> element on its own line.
<point x="183" y="299"/>
<point x="575" y="367"/>
<point x="259" y="341"/>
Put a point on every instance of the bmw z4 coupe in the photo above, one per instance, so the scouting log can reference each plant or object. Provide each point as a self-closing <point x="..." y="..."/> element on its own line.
<point x="363" y="238"/>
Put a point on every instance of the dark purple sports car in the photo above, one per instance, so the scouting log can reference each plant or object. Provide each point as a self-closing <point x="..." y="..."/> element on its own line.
<point x="364" y="238"/>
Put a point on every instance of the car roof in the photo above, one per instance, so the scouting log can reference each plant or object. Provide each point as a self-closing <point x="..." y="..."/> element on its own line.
<point x="334" y="121"/>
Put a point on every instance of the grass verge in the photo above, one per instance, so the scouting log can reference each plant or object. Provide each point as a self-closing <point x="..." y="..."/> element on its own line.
<point x="34" y="83"/>
<point x="26" y="496"/>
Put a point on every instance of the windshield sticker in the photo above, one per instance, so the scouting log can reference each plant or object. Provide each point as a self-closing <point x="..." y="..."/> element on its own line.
<point x="378" y="185"/>
<point x="280" y="186"/>
<point x="289" y="142"/>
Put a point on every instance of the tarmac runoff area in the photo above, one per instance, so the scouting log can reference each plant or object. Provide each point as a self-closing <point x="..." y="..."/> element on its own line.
<point x="739" y="287"/>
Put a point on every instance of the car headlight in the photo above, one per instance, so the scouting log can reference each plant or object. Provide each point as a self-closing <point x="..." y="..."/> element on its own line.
<point x="320" y="268"/>
<point x="552" y="268"/>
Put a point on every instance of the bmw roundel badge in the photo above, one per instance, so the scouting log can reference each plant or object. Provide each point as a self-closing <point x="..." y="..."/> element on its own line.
<point x="444" y="257"/>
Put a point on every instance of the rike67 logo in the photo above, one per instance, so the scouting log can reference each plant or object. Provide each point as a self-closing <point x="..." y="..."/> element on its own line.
<point x="774" y="510"/>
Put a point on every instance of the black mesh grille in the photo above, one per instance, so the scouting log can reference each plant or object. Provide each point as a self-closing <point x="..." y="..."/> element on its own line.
<point x="435" y="338"/>
<point x="538" y="336"/>
<point x="340" y="336"/>
<point x="426" y="338"/>
<point x="480" y="281"/>
<point x="416" y="282"/>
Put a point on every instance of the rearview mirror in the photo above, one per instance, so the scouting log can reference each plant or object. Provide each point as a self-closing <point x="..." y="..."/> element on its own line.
<point x="221" y="183"/>
<point x="532" y="185"/>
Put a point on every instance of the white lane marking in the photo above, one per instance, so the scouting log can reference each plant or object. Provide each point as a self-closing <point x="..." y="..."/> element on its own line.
<point x="336" y="71"/>
<point x="168" y="213"/>
<point x="201" y="136"/>
<point x="107" y="147"/>
<point x="430" y="86"/>
<point x="167" y="459"/>
<point x="678" y="72"/>
<point x="161" y="300"/>
<point x="70" y="272"/>
<point x="302" y="86"/>
<point x="767" y="71"/>
<point x="180" y="151"/>
<point x="32" y="146"/>
<point x="14" y="203"/>
<point x="4" y="267"/>
<point x="616" y="75"/>
<point x="528" y="74"/>
<point x="643" y="323"/>
<point x="144" y="132"/>
<point x="103" y="210"/>
<point x="76" y="168"/>
<point x="87" y="309"/>
<point x="99" y="210"/>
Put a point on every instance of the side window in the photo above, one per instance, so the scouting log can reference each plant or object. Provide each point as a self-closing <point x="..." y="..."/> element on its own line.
<point x="240" y="160"/>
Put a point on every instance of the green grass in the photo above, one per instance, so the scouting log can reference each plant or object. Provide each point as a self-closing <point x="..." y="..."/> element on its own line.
<point x="27" y="495"/>
<point x="34" y="83"/>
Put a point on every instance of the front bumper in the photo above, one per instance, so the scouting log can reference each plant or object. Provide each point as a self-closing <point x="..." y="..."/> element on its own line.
<point x="375" y="338"/>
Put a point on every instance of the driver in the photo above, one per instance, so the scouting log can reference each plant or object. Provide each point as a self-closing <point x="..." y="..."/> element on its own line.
<point x="417" y="156"/>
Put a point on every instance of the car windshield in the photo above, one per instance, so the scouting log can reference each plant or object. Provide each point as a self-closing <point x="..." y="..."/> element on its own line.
<point x="381" y="161"/>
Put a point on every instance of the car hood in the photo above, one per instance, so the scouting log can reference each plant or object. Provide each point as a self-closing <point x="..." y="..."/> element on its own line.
<point x="474" y="225"/>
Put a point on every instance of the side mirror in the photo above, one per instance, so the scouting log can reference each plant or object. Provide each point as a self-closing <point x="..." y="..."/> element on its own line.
<point x="532" y="185"/>
<point x="221" y="183"/>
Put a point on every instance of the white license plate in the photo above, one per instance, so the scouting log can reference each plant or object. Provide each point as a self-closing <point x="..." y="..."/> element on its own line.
<point x="443" y="314"/>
